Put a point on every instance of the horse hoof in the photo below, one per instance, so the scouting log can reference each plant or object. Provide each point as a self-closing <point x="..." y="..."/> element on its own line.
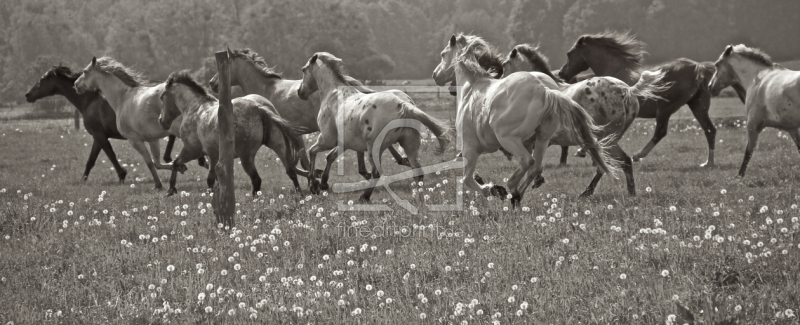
<point x="324" y="187"/>
<point x="85" y="178"/>
<point x="405" y="162"/>
<point x="499" y="191"/>
<point x="363" y="200"/>
<point x="478" y="179"/>
<point x="172" y="191"/>
<point x="167" y="159"/>
<point x="158" y="187"/>
<point x="580" y="154"/>
<point x="182" y="168"/>
<point x="538" y="182"/>
<point x="707" y="165"/>
<point x="515" y="200"/>
<point x="318" y="173"/>
<point x="636" y="158"/>
<point x="585" y="194"/>
<point x="314" y="187"/>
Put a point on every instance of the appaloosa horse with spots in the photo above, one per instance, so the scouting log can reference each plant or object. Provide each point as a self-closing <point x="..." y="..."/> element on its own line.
<point x="620" y="55"/>
<point x="773" y="93"/>
<point x="608" y="100"/>
<point x="361" y="116"/>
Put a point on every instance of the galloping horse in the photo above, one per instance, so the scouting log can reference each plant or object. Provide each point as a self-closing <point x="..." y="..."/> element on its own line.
<point x="136" y="104"/>
<point x="620" y="55"/>
<point x="98" y="117"/>
<point x="257" y="123"/>
<point x="362" y="117"/>
<point x="608" y="100"/>
<point x="249" y="71"/>
<point x="509" y="112"/>
<point x="773" y="93"/>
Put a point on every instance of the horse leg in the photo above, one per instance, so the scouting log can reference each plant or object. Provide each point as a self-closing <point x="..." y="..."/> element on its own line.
<point x="142" y="150"/>
<point x="402" y="161"/>
<point x="168" y="149"/>
<point x="362" y="167"/>
<point x="106" y="146"/>
<point x="329" y="159"/>
<point x="627" y="166"/>
<point x="662" y="125"/>
<point x="411" y="146"/>
<point x="699" y="105"/>
<point x="320" y="145"/>
<point x="534" y="171"/>
<point x="212" y="171"/>
<point x="155" y="148"/>
<point x="249" y="167"/>
<point x="365" y="197"/>
<point x="524" y="162"/>
<point x="178" y="165"/>
<point x="291" y="172"/>
<point x="471" y="156"/>
<point x="753" y="129"/>
<point x="564" y="152"/>
<point x="304" y="159"/>
<point x="795" y="134"/>
<point x="92" y="159"/>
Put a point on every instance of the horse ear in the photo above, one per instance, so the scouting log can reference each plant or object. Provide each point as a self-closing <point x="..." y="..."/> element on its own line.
<point x="513" y="53"/>
<point x="313" y="59"/>
<point x="581" y="40"/>
<point x="227" y="48"/>
<point x="453" y="40"/>
<point x="94" y="60"/>
<point x="728" y="50"/>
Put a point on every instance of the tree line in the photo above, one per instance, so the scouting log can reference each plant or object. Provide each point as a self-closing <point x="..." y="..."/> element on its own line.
<point x="377" y="39"/>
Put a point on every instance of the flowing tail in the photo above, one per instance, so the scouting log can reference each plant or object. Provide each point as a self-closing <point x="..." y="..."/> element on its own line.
<point x="291" y="136"/>
<point x="650" y="83"/>
<point x="438" y="127"/>
<point x="581" y="128"/>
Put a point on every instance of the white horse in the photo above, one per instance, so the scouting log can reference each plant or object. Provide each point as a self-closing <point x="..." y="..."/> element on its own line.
<point x="249" y="71"/>
<point x="361" y="116"/>
<point x="136" y="104"/>
<point x="773" y="93"/>
<point x="504" y="113"/>
<point x="609" y="101"/>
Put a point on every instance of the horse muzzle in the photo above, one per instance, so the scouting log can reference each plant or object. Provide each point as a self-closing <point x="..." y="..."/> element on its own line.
<point x="29" y="98"/>
<point x="164" y="124"/>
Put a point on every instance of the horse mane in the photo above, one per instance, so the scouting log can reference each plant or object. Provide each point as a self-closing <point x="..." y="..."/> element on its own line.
<point x="183" y="77"/>
<point x="479" y="57"/>
<point x="257" y="62"/>
<point x="621" y="44"/>
<point x="340" y="73"/>
<point x="539" y="61"/>
<point x="127" y="75"/>
<point x="756" y="55"/>
<point x="64" y="72"/>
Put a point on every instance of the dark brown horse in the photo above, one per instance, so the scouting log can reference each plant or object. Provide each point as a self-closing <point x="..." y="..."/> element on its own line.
<point x="98" y="117"/>
<point x="620" y="55"/>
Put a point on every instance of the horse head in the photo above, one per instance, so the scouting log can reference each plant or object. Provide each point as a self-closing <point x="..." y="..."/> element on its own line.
<point x="445" y="71"/>
<point x="724" y="75"/>
<point x="88" y="79"/>
<point x="309" y="84"/>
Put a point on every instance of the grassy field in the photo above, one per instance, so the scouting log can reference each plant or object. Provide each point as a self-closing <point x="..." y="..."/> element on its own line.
<point x="100" y="252"/>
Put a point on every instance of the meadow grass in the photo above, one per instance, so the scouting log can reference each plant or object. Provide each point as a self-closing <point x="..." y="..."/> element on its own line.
<point x="100" y="252"/>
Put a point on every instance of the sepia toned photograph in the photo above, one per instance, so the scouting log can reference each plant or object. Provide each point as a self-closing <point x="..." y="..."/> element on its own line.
<point x="399" y="162"/>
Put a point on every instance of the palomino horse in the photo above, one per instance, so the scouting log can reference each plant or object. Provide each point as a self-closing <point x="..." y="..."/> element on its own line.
<point x="361" y="116"/>
<point x="136" y="104"/>
<point x="249" y="71"/>
<point x="608" y="100"/>
<point x="257" y="123"/>
<point x="508" y="112"/>
<point x="773" y="93"/>
<point x="620" y="55"/>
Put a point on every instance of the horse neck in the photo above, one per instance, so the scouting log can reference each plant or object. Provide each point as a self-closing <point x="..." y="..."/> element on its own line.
<point x="253" y="82"/>
<point x="327" y="83"/>
<point x="466" y="83"/>
<point x="603" y="63"/>
<point x="114" y="91"/>
<point x="187" y="100"/>
<point x="747" y="71"/>
<point x="65" y="87"/>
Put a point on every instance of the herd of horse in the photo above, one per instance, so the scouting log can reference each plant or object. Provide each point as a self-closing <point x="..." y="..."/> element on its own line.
<point x="513" y="103"/>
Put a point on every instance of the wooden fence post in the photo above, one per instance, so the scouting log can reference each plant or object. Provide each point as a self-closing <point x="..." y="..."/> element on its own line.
<point x="77" y="119"/>
<point x="224" y="197"/>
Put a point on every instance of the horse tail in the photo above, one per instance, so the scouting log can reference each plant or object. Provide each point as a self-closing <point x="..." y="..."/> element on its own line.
<point x="580" y="127"/>
<point x="703" y="72"/>
<point x="650" y="83"/>
<point x="438" y="127"/>
<point x="291" y="135"/>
